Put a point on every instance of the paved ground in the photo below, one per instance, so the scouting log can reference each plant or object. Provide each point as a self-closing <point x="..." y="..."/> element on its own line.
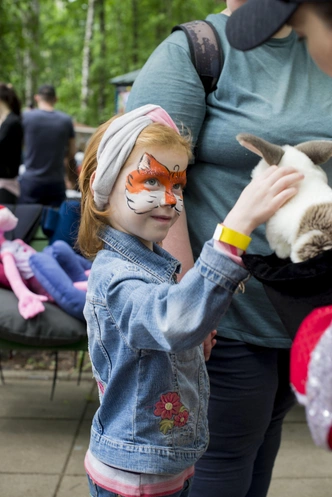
<point x="43" y="442"/>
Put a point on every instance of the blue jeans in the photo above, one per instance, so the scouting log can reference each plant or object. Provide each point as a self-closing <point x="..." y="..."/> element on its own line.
<point x="96" y="491"/>
<point x="250" y="396"/>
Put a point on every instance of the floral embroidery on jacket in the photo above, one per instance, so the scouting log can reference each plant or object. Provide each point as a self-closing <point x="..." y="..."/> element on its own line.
<point x="172" y="412"/>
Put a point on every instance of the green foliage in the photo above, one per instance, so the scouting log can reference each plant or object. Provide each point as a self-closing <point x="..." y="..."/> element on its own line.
<point x="124" y="35"/>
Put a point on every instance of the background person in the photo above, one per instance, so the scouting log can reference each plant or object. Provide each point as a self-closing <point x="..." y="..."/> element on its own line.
<point x="258" y="20"/>
<point x="144" y="330"/>
<point x="277" y="92"/>
<point x="11" y="142"/>
<point x="49" y="140"/>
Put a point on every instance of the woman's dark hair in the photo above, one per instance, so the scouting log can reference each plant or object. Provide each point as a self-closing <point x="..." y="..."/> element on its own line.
<point x="8" y="95"/>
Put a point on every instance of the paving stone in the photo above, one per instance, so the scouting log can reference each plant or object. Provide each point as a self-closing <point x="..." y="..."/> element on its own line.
<point x="35" y="446"/>
<point x="31" y="399"/>
<point x="32" y="485"/>
<point x="75" y="464"/>
<point x="299" y="457"/>
<point x="73" y="486"/>
<point x="301" y="487"/>
<point x="296" y="415"/>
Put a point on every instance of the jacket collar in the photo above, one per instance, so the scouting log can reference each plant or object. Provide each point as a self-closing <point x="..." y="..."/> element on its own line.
<point x="158" y="262"/>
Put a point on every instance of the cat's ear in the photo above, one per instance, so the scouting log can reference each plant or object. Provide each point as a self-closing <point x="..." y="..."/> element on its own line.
<point x="144" y="163"/>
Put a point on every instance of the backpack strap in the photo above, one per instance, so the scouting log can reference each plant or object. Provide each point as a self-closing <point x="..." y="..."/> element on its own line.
<point x="205" y="50"/>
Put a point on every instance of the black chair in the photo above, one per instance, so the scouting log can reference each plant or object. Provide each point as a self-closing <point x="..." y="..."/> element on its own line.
<point x="53" y="329"/>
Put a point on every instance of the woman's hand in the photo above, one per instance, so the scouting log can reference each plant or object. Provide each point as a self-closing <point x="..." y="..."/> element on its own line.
<point x="262" y="198"/>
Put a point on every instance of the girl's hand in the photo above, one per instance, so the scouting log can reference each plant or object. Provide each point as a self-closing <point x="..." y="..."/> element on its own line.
<point x="208" y="344"/>
<point x="262" y="198"/>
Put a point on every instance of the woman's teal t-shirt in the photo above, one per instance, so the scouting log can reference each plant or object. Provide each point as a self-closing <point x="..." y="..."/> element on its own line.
<point x="274" y="91"/>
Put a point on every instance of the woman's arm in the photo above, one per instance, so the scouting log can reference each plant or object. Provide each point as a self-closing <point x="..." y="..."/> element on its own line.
<point x="170" y="80"/>
<point x="177" y="243"/>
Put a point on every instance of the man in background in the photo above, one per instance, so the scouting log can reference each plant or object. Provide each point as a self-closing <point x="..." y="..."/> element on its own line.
<point x="49" y="144"/>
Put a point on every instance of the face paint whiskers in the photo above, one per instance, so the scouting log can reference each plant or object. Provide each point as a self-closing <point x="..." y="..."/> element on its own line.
<point x="153" y="185"/>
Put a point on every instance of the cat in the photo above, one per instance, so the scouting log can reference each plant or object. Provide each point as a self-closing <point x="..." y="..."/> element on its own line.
<point x="143" y="197"/>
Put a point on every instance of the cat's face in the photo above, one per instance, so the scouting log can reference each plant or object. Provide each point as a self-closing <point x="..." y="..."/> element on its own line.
<point x="147" y="197"/>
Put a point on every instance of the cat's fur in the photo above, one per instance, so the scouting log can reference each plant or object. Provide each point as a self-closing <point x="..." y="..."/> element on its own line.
<point x="302" y="227"/>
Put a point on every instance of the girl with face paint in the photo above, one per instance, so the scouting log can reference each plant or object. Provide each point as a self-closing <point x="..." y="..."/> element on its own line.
<point x="145" y="331"/>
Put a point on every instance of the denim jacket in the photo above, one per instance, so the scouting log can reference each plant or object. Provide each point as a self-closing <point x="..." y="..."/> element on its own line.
<point x="145" y="334"/>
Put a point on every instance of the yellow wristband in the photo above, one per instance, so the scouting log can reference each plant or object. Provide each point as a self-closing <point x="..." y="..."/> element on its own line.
<point x="227" y="235"/>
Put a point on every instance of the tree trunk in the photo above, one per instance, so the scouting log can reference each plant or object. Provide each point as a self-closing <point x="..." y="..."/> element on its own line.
<point x="30" y="20"/>
<point x="87" y="55"/>
<point x="135" y="45"/>
<point x="103" y="57"/>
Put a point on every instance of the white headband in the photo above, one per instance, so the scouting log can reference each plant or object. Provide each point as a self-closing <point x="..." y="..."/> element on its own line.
<point x="117" y="143"/>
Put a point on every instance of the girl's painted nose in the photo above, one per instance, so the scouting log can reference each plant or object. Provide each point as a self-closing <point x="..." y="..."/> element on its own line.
<point x="169" y="199"/>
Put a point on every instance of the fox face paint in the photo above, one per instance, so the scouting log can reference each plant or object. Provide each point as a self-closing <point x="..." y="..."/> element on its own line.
<point x="153" y="185"/>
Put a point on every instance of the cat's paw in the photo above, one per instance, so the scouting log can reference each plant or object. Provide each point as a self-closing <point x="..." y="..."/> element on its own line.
<point x="282" y="250"/>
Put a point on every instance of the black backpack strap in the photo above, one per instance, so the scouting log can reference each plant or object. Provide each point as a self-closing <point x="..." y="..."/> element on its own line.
<point x="206" y="52"/>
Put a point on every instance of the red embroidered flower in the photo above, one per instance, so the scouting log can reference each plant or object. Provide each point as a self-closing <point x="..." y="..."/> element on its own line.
<point x="181" y="418"/>
<point x="168" y="405"/>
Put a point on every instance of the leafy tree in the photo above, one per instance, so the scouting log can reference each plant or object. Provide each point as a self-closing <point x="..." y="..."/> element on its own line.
<point x="42" y="41"/>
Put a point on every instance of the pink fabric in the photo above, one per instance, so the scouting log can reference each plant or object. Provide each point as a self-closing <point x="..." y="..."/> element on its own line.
<point x="4" y="283"/>
<point x="129" y="484"/>
<point x="17" y="271"/>
<point x="21" y="253"/>
<point x="29" y="304"/>
<point x="161" y="116"/>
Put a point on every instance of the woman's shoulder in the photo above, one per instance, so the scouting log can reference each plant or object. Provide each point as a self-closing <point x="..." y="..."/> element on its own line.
<point x="218" y="20"/>
<point x="179" y="39"/>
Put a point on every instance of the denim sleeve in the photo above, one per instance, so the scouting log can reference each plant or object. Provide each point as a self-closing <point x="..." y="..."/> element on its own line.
<point x="173" y="317"/>
<point x="170" y="80"/>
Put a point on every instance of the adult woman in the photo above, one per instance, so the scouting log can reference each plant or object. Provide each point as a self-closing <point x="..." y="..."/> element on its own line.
<point x="312" y="22"/>
<point x="275" y="92"/>
<point x="11" y="142"/>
